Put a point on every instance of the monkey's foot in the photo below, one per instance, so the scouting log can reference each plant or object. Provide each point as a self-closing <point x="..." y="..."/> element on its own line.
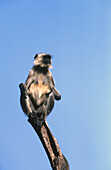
<point x="39" y="123"/>
<point x="33" y="115"/>
<point x="40" y="118"/>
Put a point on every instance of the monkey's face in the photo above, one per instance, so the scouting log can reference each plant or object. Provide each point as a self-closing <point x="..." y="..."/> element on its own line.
<point x="43" y="60"/>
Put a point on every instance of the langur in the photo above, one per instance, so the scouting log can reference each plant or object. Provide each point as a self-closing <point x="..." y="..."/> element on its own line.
<point x="39" y="92"/>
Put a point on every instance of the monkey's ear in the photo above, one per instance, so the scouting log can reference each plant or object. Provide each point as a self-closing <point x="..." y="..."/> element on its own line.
<point x="35" y="56"/>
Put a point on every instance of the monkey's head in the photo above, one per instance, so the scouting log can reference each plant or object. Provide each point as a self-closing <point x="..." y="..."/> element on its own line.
<point x="43" y="60"/>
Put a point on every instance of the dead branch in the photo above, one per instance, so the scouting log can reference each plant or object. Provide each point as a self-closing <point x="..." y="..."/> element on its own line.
<point x="51" y="146"/>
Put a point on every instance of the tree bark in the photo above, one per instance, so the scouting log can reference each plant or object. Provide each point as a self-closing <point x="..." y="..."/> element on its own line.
<point x="51" y="146"/>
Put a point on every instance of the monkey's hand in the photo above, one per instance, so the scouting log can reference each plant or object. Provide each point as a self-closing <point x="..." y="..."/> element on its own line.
<point x="56" y="94"/>
<point x="23" y="90"/>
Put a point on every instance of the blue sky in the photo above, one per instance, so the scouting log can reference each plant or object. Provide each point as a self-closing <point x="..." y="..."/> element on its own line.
<point x="78" y="35"/>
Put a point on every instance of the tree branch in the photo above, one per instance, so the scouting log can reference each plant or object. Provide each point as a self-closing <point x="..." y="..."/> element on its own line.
<point x="51" y="146"/>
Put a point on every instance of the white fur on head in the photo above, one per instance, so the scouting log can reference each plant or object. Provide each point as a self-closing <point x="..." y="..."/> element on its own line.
<point x="39" y="61"/>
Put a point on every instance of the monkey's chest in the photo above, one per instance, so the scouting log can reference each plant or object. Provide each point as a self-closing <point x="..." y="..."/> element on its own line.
<point x="39" y="88"/>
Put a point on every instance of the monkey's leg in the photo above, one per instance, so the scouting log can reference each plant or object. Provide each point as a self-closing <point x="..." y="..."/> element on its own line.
<point x="36" y="101"/>
<point x="25" y="101"/>
<point x="49" y="104"/>
<point x="31" y="98"/>
<point x="56" y="94"/>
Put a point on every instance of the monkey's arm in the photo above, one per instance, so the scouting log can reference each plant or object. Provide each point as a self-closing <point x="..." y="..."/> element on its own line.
<point x="56" y="94"/>
<point x="30" y="79"/>
<point x="29" y="102"/>
<point x="52" y="84"/>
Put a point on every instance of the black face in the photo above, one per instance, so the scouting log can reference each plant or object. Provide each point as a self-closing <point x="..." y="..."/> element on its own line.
<point x="47" y="59"/>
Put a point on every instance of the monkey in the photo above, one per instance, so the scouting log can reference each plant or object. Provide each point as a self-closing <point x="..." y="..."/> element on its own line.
<point x="39" y="93"/>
